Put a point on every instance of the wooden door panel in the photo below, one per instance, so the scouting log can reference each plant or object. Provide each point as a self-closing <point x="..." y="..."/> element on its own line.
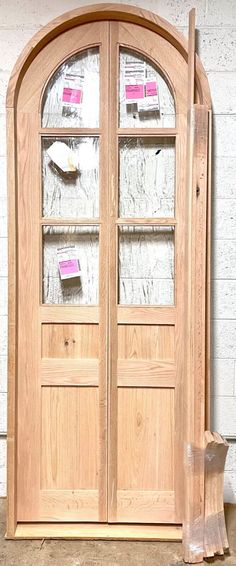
<point x="69" y="443"/>
<point x="70" y="341"/>
<point x="62" y="378"/>
<point x="145" y="439"/>
<point x="146" y="342"/>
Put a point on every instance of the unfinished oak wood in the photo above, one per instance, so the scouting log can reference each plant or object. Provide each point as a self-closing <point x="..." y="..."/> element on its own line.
<point x="99" y="531"/>
<point x="86" y="364"/>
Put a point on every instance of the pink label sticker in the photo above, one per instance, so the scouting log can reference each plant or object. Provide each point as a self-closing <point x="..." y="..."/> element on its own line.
<point x="68" y="267"/>
<point x="72" y="95"/>
<point x="134" y="91"/>
<point x="151" y="88"/>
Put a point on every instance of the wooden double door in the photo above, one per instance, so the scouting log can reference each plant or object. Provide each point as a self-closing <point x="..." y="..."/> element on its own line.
<point x="100" y="394"/>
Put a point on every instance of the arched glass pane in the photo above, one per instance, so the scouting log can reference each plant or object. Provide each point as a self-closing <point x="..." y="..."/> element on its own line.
<point x="71" y="98"/>
<point x="146" y="100"/>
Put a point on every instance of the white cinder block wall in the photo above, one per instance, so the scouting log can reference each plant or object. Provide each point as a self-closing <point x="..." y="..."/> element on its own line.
<point x="216" y="37"/>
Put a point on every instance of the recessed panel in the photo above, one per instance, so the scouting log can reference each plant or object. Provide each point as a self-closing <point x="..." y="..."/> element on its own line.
<point x="71" y="98"/>
<point x="70" y="177"/>
<point x="83" y="243"/>
<point x="70" y="341"/>
<point x="70" y="442"/>
<point x="145" y="439"/>
<point x="146" y="342"/>
<point x="146" y="177"/>
<point x="146" y="265"/>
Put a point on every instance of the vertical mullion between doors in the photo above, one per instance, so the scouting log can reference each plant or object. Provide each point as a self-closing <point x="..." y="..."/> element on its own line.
<point x="103" y="273"/>
<point x="113" y="272"/>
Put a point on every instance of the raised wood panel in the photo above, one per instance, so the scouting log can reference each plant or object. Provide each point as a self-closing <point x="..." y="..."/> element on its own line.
<point x="70" y="440"/>
<point x="70" y="341"/>
<point x="60" y="371"/>
<point x="67" y="505"/>
<point x="145" y="373"/>
<point x="145" y="439"/>
<point x="147" y="342"/>
<point x="145" y="506"/>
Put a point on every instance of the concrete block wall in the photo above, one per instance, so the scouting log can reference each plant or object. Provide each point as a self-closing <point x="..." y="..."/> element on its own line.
<point x="216" y="40"/>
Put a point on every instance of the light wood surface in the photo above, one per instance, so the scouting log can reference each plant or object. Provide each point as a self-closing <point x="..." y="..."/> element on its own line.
<point x="98" y="531"/>
<point x="101" y="385"/>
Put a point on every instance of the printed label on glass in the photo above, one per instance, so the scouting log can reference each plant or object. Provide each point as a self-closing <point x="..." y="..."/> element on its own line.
<point x="68" y="263"/>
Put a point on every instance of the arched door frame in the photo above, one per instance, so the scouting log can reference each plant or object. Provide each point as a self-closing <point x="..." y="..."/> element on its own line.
<point x="115" y="12"/>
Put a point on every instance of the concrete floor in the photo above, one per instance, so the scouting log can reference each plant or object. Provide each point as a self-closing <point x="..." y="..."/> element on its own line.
<point x="103" y="553"/>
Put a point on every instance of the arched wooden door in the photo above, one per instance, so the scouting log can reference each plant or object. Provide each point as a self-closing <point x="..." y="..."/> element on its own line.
<point x="102" y="219"/>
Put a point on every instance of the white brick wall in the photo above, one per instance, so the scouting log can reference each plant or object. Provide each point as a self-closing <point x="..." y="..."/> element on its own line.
<point x="216" y="24"/>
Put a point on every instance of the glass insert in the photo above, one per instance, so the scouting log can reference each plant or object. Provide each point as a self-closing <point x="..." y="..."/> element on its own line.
<point x="146" y="100"/>
<point x="71" y="265"/>
<point x="146" y="177"/>
<point x="70" y="177"/>
<point x="71" y="98"/>
<point x="146" y="265"/>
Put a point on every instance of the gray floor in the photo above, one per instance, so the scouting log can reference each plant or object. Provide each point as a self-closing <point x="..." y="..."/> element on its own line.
<point x="104" y="553"/>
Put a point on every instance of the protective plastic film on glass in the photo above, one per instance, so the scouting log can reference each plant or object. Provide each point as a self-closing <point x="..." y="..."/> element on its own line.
<point x="146" y="100"/>
<point x="70" y="177"/>
<point x="146" y="177"/>
<point x="71" y="265"/>
<point x="71" y="98"/>
<point x="146" y="265"/>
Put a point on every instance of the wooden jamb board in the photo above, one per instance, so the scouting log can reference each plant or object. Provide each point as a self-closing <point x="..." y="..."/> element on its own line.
<point x="93" y="13"/>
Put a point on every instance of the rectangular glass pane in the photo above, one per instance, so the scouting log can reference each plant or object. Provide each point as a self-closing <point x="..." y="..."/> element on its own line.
<point x="71" y="98"/>
<point x="78" y="290"/>
<point x="146" y="100"/>
<point x="70" y="177"/>
<point x="146" y="177"/>
<point x="146" y="265"/>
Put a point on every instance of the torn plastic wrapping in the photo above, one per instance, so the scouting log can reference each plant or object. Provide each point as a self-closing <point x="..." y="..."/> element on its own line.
<point x="204" y="530"/>
<point x="193" y="528"/>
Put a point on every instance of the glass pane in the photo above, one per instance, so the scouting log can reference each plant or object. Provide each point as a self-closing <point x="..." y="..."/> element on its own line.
<point x="67" y="245"/>
<point x="70" y="177"/>
<point x="146" y="265"/>
<point x="71" y="98"/>
<point x="145" y="98"/>
<point x="147" y="177"/>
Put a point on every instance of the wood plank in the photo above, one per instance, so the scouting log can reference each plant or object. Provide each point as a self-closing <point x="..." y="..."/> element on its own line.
<point x="100" y="531"/>
<point x="208" y="276"/>
<point x="191" y="57"/>
<point x="145" y="506"/>
<point x="67" y="505"/>
<point x="12" y="327"/>
<point x="147" y="132"/>
<point x="66" y="314"/>
<point x="60" y="371"/>
<point x="49" y="221"/>
<point x="145" y="373"/>
<point x="29" y="347"/>
<point x="146" y="221"/>
<point x="195" y="354"/>
<point x="113" y="269"/>
<point x="103" y="275"/>
<point x="146" y="315"/>
<point x="78" y="132"/>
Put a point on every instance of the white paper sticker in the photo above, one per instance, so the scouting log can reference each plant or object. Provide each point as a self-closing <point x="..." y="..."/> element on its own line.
<point x="63" y="157"/>
<point x="68" y="263"/>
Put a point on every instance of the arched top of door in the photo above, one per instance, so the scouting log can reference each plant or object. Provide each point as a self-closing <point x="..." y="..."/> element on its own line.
<point x="100" y="12"/>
